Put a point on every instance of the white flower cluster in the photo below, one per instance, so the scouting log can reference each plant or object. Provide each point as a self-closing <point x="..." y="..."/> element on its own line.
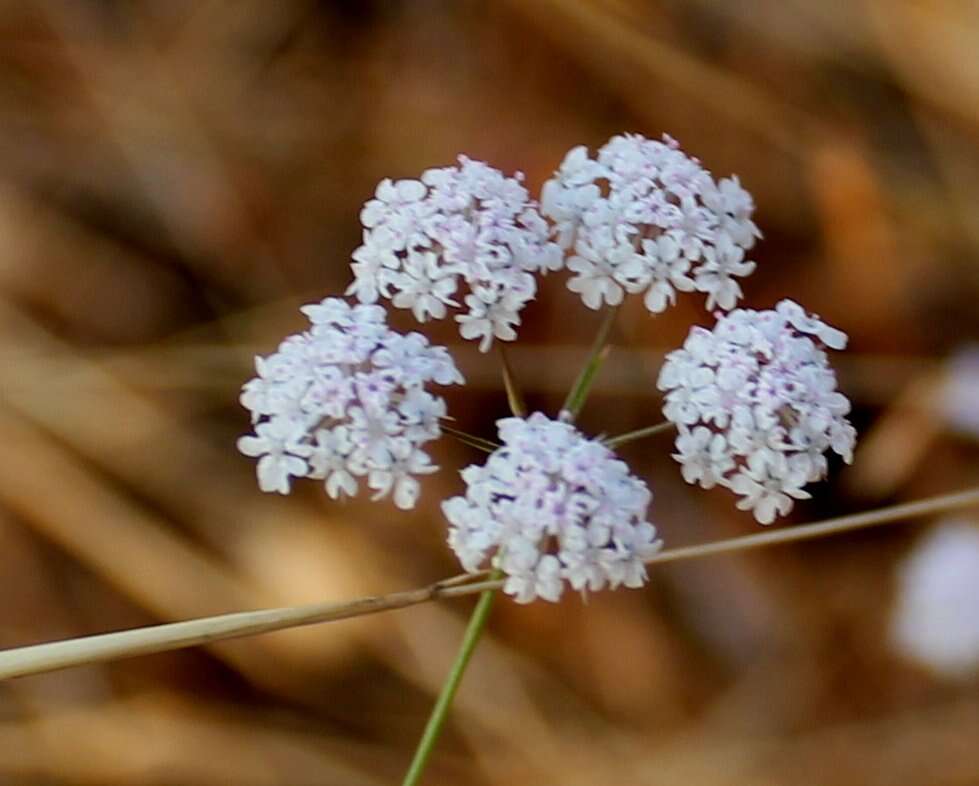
<point x="466" y="226"/>
<point x="936" y="619"/>
<point x="347" y="399"/>
<point x="756" y="406"/>
<point x="645" y="217"/>
<point x="551" y="506"/>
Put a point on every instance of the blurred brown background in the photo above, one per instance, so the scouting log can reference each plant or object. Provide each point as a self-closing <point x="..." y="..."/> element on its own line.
<point x="177" y="177"/>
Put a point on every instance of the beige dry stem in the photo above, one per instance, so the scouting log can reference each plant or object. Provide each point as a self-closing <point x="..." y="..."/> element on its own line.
<point x="161" y="638"/>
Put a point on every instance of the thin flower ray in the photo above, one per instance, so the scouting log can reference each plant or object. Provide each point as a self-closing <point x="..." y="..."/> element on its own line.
<point x="641" y="433"/>
<point x="597" y="355"/>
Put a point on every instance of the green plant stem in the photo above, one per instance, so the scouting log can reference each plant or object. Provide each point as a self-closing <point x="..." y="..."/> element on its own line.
<point x="641" y="433"/>
<point x="433" y="729"/>
<point x="480" y="614"/>
<point x="596" y="357"/>
<point x="477" y="622"/>
<point x="513" y="393"/>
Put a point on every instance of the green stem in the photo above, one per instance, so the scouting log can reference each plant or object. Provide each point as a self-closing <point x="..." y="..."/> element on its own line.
<point x="621" y="439"/>
<point x="433" y="729"/>
<point x="480" y="614"/>
<point x="596" y="357"/>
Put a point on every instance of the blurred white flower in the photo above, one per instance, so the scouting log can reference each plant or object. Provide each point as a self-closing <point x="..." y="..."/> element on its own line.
<point x="645" y="217"/>
<point x="959" y="394"/>
<point x="551" y="506"/>
<point x="347" y="400"/>
<point x="462" y="234"/>
<point x="936" y="619"/>
<point x="756" y="406"/>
